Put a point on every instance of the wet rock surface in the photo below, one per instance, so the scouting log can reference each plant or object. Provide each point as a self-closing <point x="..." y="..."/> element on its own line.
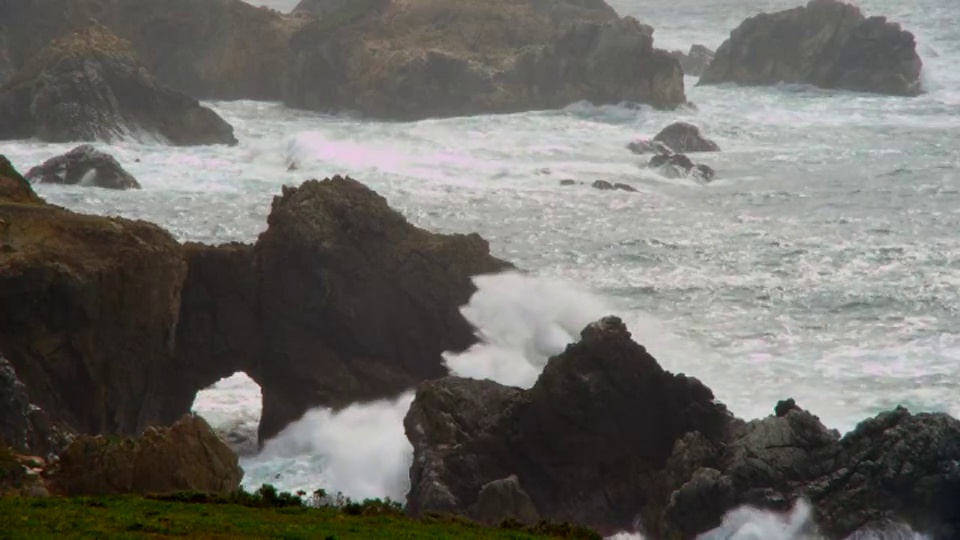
<point x="83" y="165"/>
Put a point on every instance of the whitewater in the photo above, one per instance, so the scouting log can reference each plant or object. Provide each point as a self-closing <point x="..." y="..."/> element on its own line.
<point x="823" y="264"/>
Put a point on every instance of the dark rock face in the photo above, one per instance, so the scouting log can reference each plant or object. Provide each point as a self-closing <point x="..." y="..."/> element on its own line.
<point x="211" y="49"/>
<point x="24" y="427"/>
<point x="389" y="59"/>
<point x="91" y="85"/>
<point x="504" y="499"/>
<point x="186" y="456"/>
<point x="88" y="307"/>
<point x="341" y="300"/>
<point x="896" y="467"/>
<point x="680" y="166"/>
<point x="84" y="164"/>
<point x="14" y="188"/>
<point x="685" y="138"/>
<point x="587" y="442"/>
<point x="695" y="61"/>
<point x="827" y="43"/>
<point x="606" y="436"/>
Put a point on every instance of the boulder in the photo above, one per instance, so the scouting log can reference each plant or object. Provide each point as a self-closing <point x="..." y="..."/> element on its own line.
<point x="503" y="500"/>
<point x="88" y="307"/>
<point x="186" y="456"/>
<point x="680" y="166"/>
<point x="24" y="427"/>
<point x="827" y="43"/>
<point x="90" y="85"/>
<point x="686" y="138"/>
<point x="411" y="60"/>
<point x="83" y="165"/>
<point x="340" y="300"/>
<point x="210" y="49"/>
<point x="695" y="61"/>
<point x="14" y="188"/>
<point x="587" y="442"/>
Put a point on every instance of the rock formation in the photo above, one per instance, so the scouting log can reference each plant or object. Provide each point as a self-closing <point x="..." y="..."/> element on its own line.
<point x="88" y="307"/>
<point x="210" y="49"/>
<point x="340" y="300"/>
<point x="83" y="165"/>
<point x="410" y="60"/>
<point x="91" y="85"/>
<point x="827" y="43"/>
<point x="648" y="146"/>
<point x="186" y="456"/>
<point x="695" y="61"/>
<point x="587" y="442"/>
<point x="606" y="436"/>
<point x="685" y="138"/>
<point x="603" y="185"/>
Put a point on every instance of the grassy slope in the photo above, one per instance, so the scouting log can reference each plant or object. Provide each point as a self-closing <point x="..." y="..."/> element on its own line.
<point x="135" y="517"/>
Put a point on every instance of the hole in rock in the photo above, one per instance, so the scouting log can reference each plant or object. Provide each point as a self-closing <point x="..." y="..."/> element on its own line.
<point x="232" y="406"/>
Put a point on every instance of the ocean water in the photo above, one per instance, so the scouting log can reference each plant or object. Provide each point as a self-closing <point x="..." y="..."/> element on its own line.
<point x="823" y="264"/>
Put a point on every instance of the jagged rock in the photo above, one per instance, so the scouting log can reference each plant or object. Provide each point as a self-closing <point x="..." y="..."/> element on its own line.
<point x="684" y="137"/>
<point x="680" y="166"/>
<point x="341" y="300"/>
<point x="210" y="49"/>
<point x="88" y="306"/>
<point x="187" y="456"/>
<point x="587" y="442"/>
<point x="504" y="499"/>
<point x="91" y="85"/>
<point x="75" y="167"/>
<point x="24" y="427"/>
<point x="648" y="146"/>
<point x="827" y="43"/>
<point x="895" y="468"/>
<point x="695" y="61"/>
<point x="14" y="188"/>
<point x="403" y="60"/>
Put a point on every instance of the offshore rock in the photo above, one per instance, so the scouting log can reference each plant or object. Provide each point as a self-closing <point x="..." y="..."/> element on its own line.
<point x="411" y="60"/>
<point x="695" y="61"/>
<point x="685" y="138"/>
<point x="84" y="165"/>
<point x="827" y="43"/>
<point x="91" y="85"/>
<point x="680" y="166"/>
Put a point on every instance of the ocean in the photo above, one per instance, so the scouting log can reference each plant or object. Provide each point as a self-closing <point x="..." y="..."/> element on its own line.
<point x="822" y="264"/>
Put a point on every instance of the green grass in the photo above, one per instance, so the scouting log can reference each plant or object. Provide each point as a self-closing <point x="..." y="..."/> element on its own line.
<point x="138" y="517"/>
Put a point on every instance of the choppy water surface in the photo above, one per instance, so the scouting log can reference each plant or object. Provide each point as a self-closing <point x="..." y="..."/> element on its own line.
<point x="823" y="264"/>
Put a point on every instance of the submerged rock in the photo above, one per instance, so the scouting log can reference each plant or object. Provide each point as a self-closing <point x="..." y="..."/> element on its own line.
<point x="340" y="300"/>
<point x="406" y="61"/>
<point x="695" y="61"/>
<point x="648" y="146"/>
<point x="83" y="165"/>
<point x="827" y="43"/>
<point x="91" y="85"/>
<point x="603" y="185"/>
<point x="680" y="166"/>
<point x="187" y="456"/>
<point x="683" y="137"/>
